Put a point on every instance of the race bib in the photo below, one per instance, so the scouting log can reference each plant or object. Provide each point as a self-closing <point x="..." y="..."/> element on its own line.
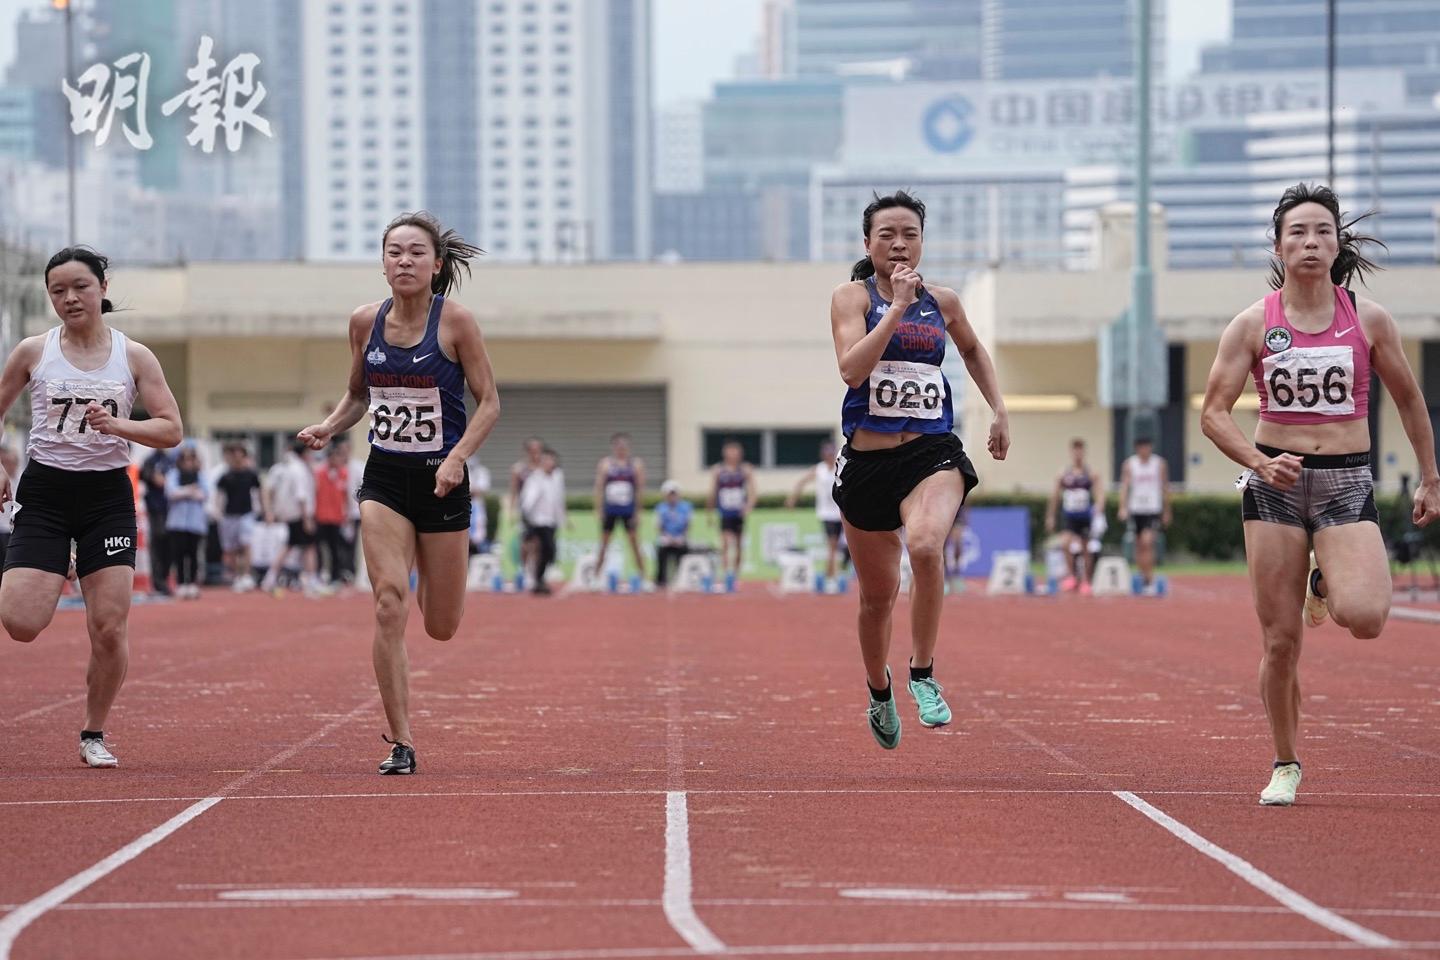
<point x="66" y="403"/>
<point x="731" y="499"/>
<point x="1311" y="380"/>
<point x="406" y="419"/>
<point x="1075" y="500"/>
<point x="899" y="388"/>
<point x="619" y="493"/>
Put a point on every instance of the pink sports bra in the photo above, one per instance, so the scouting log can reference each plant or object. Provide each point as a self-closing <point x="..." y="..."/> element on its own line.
<point x="1313" y="377"/>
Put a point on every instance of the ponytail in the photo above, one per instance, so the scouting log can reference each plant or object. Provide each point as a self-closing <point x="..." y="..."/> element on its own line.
<point x="864" y="269"/>
<point x="452" y="249"/>
<point x="106" y="306"/>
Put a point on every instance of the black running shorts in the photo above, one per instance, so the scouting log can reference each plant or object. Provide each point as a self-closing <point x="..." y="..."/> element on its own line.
<point x="94" y="508"/>
<point x="1333" y="489"/>
<point x="870" y="484"/>
<point x="626" y="520"/>
<point x="409" y="490"/>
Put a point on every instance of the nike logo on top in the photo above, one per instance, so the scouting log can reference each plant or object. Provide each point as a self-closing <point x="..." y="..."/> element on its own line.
<point x="1341" y="333"/>
<point x="422" y="357"/>
<point x="927" y="313"/>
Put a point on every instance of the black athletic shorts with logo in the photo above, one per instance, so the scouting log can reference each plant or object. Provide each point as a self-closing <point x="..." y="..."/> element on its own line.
<point x="869" y="484"/>
<point x="94" y="508"/>
<point x="1333" y="489"/>
<point x="408" y="488"/>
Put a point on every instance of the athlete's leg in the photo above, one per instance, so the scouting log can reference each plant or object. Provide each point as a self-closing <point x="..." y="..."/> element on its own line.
<point x="729" y="543"/>
<point x="27" y="601"/>
<point x="1359" y="592"/>
<point x="632" y="530"/>
<point x="440" y="558"/>
<point x="929" y="512"/>
<point x="1278" y="556"/>
<point x="389" y="543"/>
<point x="107" y="615"/>
<point x="606" y="529"/>
<point x="1145" y="554"/>
<point x="876" y="556"/>
<point x="832" y="555"/>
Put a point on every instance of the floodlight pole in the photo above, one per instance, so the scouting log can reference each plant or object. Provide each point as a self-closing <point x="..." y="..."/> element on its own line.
<point x="1330" y="94"/>
<point x="1142" y="291"/>
<point x="69" y="137"/>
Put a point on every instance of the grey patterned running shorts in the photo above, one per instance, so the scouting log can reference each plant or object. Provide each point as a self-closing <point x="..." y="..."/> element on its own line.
<point x="1333" y="489"/>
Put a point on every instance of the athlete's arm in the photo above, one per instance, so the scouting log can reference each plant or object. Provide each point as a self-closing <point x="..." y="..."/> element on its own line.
<point x="752" y="493"/>
<point x="600" y="486"/>
<point x="1164" y="493"/>
<point x="461" y="333"/>
<point x="1233" y="360"/>
<point x="1124" y="511"/>
<point x="354" y="404"/>
<point x="639" y="478"/>
<point x="1050" y="507"/>
<point x="979" y="365"/>
<point x="1099" y="493"/>
<point x="163" y="429"/>
<point x="856" y="350"/>
<point x="1387" y="357"/>
<point x="712" y="499"/>
<point x="12" y="380"/>
<point x="800" y="486"/>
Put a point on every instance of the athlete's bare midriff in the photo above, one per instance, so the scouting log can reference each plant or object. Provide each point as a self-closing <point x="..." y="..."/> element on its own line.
<point x="1344" y="436"/>
<point x="863" y="439"/>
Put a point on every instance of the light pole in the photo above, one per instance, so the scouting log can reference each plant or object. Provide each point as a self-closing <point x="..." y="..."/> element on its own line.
<point x="1142" y="289"/>
<point x="64" y="5"/>
<point x="1330" y="93"/>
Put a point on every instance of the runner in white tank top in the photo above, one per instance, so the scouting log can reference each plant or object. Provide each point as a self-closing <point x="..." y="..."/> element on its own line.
<point x="826" y="510"/>
<point x="84" y="377"/>
<point x="1145" y="503"/>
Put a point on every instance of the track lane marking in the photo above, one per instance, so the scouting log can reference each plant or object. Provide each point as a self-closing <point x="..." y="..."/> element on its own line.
<point x="1259" y="879"/>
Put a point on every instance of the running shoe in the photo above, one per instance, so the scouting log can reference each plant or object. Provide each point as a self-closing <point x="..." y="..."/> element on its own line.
<point x="1283" y="783"/>
<point x="1085" y="590"/>
<point x="94" y="754"/>
<point x="885" y="719"/>
<point x="934" y="711"/>
<point x="401" y="759"/>
<point x="1315" y="609"/>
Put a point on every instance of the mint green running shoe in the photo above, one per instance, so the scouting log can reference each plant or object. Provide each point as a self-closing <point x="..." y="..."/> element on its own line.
<point x="885" y="719"/>
<point x="934" y="711"/>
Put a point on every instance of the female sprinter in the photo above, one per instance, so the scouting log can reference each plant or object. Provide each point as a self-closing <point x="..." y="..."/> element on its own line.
<point x="412" y="355"/>
<point x="1310" y="347"/>
<point x="901" y="465"/>
<point x="84" y="377"/>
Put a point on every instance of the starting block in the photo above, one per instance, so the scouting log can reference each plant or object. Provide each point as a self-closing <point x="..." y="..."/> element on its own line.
<point x="1112" y="577"/>
<point x="484" y="574"/>
<point x="633" y="584"/>
<point x="1159" y="588"/>
<point x="797" y="571"/>
<point x="586" y="578"/>
<point x="695" y="573"/>
<point x="1010" y="573"/>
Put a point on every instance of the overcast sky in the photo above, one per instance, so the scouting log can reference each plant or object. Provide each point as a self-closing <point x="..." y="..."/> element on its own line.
<point x="685" y="69"/>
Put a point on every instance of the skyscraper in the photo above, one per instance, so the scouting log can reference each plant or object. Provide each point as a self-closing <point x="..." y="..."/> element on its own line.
<point x="1369" y="33"/>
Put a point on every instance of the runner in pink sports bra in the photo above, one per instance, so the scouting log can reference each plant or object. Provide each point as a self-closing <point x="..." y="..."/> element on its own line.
<point x="1308" y="491"/>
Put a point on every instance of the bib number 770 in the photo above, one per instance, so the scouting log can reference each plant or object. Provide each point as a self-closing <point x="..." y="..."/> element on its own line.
<point x="77" y="405"/>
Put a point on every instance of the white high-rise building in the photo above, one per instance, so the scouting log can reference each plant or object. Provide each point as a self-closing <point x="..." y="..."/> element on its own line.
<point x="680" y="148"/>
<point x="565" y="129"/>
<point x="364" y="126"/>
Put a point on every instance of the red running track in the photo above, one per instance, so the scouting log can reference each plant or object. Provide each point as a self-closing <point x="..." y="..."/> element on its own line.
<point x="616" y="777"/>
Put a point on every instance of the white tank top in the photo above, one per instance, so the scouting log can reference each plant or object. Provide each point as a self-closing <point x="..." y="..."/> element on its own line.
<point x="1146" y="497"/>
<point x="825" y="507"/>
<point x="59" y="392"/>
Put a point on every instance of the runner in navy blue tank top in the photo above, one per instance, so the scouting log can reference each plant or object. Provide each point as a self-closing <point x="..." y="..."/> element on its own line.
<point x="412" y="356"/>
<point x="619" y="482"/>
<point x="901" y="465"/>
<point x="732" y="495"/>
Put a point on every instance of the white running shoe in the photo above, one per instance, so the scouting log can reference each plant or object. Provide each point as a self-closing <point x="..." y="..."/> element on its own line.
<point x="1315" y="609"/>
<point x="1284" y="781"/>
<point x="94" y="754"/>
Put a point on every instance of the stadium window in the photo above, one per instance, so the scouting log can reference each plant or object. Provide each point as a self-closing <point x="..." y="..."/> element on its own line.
<point x="713" y="442"/>
<point x="799" y="448"/>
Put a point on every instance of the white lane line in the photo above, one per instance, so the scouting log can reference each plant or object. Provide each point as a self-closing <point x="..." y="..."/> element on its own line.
<point x="1155" y="947"/>
<point x="1261" y="880"/>
<point x="947" y="791"/>
<point x="677" y="899"/>
<point x="15" y="922"/>
<point x="1415" y="613"/>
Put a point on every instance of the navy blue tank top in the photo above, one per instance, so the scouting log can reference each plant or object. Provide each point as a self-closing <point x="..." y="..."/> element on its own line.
<point x="906" y="390"/>
<point x="620" y="489"/>
<point x="417" y="394"/>
<point x="1077" y="499"/>
<point x="730" y="494"/>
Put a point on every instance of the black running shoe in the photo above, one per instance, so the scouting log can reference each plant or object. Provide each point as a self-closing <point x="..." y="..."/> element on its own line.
<point x="401" y="760"/>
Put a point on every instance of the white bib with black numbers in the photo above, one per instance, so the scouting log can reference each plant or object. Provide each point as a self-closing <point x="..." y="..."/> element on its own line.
<point x="67" y="401"/>
<point x="406" y="419"/>
<point x="1311" y="380"/>
<point x="732" y="499"/>
<point x="619" y="493"/>
<point x="902" y="388"/>
<point x="60" y="392"/>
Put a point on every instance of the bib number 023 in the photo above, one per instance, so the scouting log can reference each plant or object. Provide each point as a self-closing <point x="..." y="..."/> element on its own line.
<point x="902" y="389"/>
